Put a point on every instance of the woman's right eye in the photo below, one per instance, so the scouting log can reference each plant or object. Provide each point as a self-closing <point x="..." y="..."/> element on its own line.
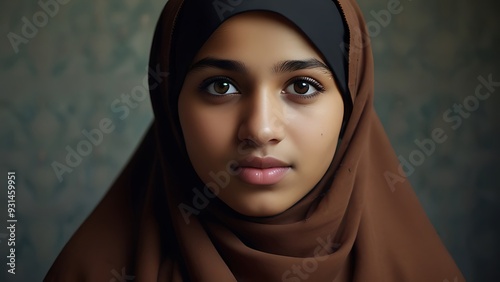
<point x="219" y="87"/>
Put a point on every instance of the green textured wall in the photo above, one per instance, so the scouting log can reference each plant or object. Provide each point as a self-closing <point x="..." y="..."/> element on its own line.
<point x="69" y="75"/>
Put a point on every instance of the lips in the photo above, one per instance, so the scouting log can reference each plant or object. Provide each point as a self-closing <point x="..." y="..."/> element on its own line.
<point x="262" y="171"/>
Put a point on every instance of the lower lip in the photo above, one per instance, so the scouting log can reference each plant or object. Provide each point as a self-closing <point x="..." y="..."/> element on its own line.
<point x="262" y="176"/>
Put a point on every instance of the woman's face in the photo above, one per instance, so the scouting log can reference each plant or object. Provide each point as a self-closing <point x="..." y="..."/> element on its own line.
<point x="260" y="114"/>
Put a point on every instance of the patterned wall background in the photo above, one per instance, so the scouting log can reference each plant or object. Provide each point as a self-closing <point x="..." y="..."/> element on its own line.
<point x="66" y="65"/>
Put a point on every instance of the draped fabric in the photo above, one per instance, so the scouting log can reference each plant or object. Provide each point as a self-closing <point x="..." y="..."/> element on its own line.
<point x="362" y="222"/>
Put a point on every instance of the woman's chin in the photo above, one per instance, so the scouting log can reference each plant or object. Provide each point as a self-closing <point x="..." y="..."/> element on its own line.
<point x="263" y="204"/>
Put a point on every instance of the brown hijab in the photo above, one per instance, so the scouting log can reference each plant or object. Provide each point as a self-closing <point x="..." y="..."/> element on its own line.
<point x="362" y="222"/>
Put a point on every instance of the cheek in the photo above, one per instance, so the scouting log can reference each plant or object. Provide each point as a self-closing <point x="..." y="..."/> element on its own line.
<point x="207" y="133"/>
<point x="315" y="143"/>
<point x="315" y="133"/>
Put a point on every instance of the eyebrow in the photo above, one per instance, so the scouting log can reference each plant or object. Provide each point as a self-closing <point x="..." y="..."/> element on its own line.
<point x="210" y="62"/>
<point x="280" y="67"/>
<point x="295" y="65"/>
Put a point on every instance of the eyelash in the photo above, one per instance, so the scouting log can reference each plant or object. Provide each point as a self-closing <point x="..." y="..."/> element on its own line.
<point x="314" y="83"/>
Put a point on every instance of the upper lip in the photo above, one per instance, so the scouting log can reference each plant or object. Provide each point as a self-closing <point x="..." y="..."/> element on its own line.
<point x="257" y="162"/>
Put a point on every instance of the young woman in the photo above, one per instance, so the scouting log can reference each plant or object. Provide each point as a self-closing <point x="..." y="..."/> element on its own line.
<point x="266" y="161"/>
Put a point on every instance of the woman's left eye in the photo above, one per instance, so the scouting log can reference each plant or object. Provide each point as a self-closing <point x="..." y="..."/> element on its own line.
<point x="304" y="87"/>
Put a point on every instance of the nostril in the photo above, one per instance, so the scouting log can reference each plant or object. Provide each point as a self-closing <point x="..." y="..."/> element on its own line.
<point x="256" y="138"/>
<point x="248" y="142"/>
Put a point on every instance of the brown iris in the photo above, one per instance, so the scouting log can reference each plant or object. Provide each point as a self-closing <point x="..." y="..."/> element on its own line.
<point x="301" y="87"/>
<point x="221" y="87"/>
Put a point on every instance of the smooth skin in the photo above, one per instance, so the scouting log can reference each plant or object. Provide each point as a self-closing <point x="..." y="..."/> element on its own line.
<point x="258" y="88"/>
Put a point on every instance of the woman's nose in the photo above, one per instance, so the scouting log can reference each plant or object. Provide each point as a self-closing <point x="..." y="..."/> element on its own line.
<point x="263" y="119"/>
